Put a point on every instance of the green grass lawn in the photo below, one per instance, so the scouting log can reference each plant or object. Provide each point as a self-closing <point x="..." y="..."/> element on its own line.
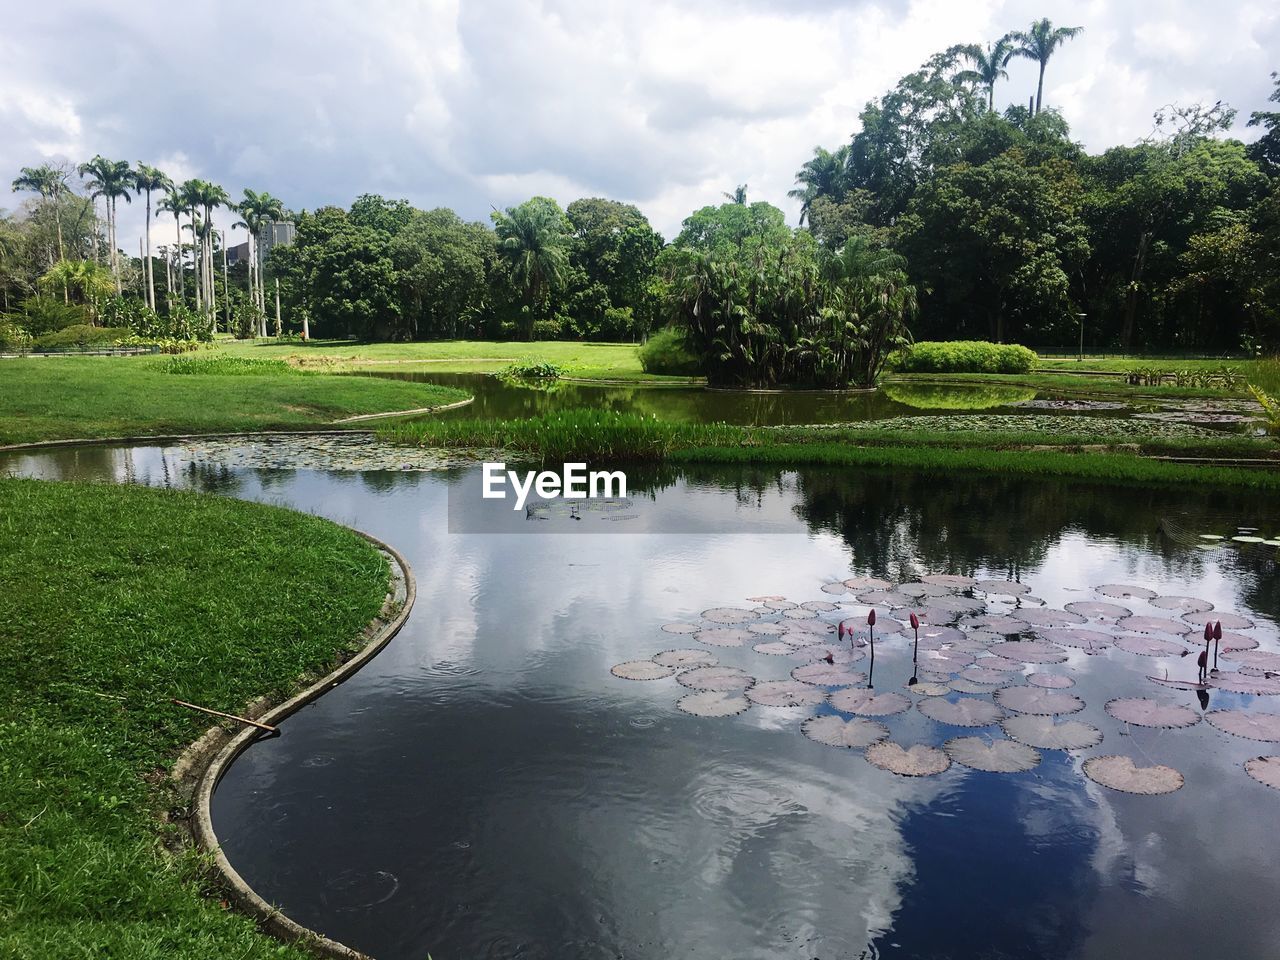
<point x="112" y="600"/>
<point x="75" y="397"/>
<point x="597" y="361"/>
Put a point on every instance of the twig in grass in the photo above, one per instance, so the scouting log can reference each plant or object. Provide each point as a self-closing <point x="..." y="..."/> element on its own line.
<point x="229" y="716"/>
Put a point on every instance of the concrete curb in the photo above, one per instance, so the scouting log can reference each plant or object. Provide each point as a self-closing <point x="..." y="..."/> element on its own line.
<point x="359" y="418"/>
<point x="203" y="764"/>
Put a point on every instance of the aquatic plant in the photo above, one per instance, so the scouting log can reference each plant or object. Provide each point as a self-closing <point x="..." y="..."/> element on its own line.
<point x="530" y="368"/>
<point x="946" y="396"/>
<point x="223" y="365"/>
<point x="965" y="356"/>
<point x="1270" y="408"/>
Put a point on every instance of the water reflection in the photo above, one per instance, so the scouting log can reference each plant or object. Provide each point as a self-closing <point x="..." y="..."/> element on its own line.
<point x="485" y="788"/>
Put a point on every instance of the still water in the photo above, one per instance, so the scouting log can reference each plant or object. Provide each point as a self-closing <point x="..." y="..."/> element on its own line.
<point x="486" y="788"/>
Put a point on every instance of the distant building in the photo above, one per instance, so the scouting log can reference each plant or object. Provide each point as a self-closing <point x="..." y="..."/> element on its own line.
<point x="276" y="233"/>
<point x="238" y="254"/>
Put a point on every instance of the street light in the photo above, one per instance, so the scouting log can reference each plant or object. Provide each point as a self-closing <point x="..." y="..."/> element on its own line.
<point x="1080" y="355"/>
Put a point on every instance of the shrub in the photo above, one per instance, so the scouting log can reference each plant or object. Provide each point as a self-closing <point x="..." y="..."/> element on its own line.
<point x="1270" y="409"/>
<point x="81" y="336"/>
<point x="530" y="368"/>
<point x="965" y="356"/>
<point x="160" y="344"/>
<point x="44" y="314"/>
<point x="13" y="338"/>
<point x="665" y="353"/>
<point x="225" y="366"/>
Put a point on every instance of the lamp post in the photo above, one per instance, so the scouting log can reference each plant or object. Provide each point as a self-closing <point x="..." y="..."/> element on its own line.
<point x="1080" y="355"/>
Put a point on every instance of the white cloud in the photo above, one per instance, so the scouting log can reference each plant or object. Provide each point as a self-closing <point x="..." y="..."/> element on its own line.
<point x="662" y="104"/>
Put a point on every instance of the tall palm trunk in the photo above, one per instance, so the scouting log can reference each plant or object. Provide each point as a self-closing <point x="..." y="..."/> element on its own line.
<point x="115" y="250"/>
<point x="197" y="276"/>
<point x="151" y="284"/>
<point x="1040" y="86"/>
<point x="182" y="269"/>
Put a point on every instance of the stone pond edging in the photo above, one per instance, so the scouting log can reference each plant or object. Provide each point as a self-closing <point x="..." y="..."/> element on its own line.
<point x="203" y="764"/>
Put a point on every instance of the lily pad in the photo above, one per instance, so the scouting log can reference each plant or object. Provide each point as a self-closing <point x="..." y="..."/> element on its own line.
<point x="1125" y="591"/>
<point x="1050" y="681"/>
<point x="1266" y="770"/>
<point x="1240" y="683"/>
<point x="1049" y="734"/>
<point x="839" y="653"/>
<point x="996" y="756"/>
<point x="1002" y="588"/>
<point x="767" y="629"/>
<point x="799" y="613"/>
<point x="778" y="604"/>
<point x="952" y="580"/>
<point x="819" y="606"/>
<point x="775" y="648"/>
<point x="868" y="703"/>
<point x="1098" y="609"/>
<point x="641" y="670"/>
<point x="1090" y="641"/>
<point x="928" y="688"/>
<point x="995" y="623"/>
<point x="827" y="675"/>
<point x="681" y="627"/>
<point x="728" y="615"/>
<point x="835" y="589"/>
<point x="983" y="675"/>
<point x="964" y="712"/>
<point x="917" y="760"/>
<point x="1028" y="651"/>
<point x="1038" y="700"/>
<point x="854" y="734"/>
<point x="1233" y="642"/>
<point x="685" y="659"/>
<point x="1173" y="628"/>
<point x="867" y="583"/>
<point x="1003" y="664"/>
<point x="719" y="678"/>
<point x="785" y="693"/>
<point x="1145" y="712"/>
<point x="1150" y="646"/>
<point x="1260" y="659"/>
<point x="1247" y="723"/>
<point x="961" y="685"/>
<point x="723" y="637"/>
<point x="1047" y="617"/>
<point x="1123" y="774"/>
<point x="1182" y="604"/>
<point x="713" y="703"/>
<point x="1229" y="621"/>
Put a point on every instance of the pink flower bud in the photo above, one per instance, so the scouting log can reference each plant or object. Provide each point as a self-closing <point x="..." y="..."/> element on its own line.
<point x="871" y="618"/>
<point x="1208" y="631"/>
<point x="1217" y="630"/>
<point x="915" y="622"/>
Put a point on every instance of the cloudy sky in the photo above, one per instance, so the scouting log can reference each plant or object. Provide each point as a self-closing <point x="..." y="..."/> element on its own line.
<point x="484" y="103"/>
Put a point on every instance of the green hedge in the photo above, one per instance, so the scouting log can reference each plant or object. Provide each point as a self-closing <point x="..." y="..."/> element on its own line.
<point x="966" y="356"/>
<point x="82" y="335"/>
<point x="665" y="353"/>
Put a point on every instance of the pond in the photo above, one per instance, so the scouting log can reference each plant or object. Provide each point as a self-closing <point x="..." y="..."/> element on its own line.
<point x="497" y="398"/>
<point x="490" y="786"/>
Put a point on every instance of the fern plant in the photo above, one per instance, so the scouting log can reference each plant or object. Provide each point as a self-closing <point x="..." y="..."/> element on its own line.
<point x="1270" y="409"/>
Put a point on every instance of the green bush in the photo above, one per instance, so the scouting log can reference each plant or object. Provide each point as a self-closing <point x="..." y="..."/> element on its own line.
<point x="225" y="366"/>
<point x="530" y="368"/>
<point x="965" y="356"/>
<point x="13" y="338"/>
<point x="44" y="314"/>
<point x="81" y="336"/>
<point x="666" y="353"/>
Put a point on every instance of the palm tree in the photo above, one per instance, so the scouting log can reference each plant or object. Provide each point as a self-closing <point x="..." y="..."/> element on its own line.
<point x="174" y="203"/>
<point x="739" y="195"/>
<point x="146" y="180"/>
<point x="111" y="180"/>
<point x="1039" y="44"/>
<point x="90" y="280"/>
<point x="203" y="195"/>
<point x="988" y="66"/>
<point x="823" y="176"/>
<point x="51" y="183"/>
<point x="532" y="239"/>
<point x="257" y="210"/>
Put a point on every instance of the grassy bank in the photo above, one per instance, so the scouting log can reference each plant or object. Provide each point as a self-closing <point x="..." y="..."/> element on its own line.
<point x="76" y="397"/>
<point x="113" y="600"/>
<point x="1097" y="448"/>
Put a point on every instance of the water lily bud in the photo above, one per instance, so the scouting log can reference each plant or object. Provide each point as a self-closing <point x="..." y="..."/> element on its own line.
<point x="841" y="629"/>
<point x="1208" y="631"/>
<point x="915" y="622"/>
<point x="1217" y="630"/>
<point x="871" y="618"/>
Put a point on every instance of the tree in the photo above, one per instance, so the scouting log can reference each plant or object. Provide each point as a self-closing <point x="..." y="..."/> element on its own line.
<point x="1039" y="44"/>
<point x="988" y="67"/>
<point x="205" y="196"/>
<point x="738" y="196"/>
<point x="147" y="180"/>
<point x="442" y="274"/>
<point x="257" y="210"/>
<point x="1265" y="151"/>
<point x="533" y="241"/>
<point x="612" y="255"/>
<point x="732" y="225"/>
<point x="112" y="180"/>
<point x="174" y="202"/>
<point x="825" y="175"/>
<point x="50" y="182"/>
<point x="87" y="281"/>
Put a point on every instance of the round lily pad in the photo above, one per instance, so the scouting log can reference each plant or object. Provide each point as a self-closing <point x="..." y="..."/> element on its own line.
<point x="1229" y="621"/>
<point x="819" y="606"/>
<point x="767" y="629"/>
<point x="839" y="653"/>
<point x="1047" y="617"/>
<point x="775" y="648"/>
<point x="765" y="598"/>
<point x="949" y="580"/>
<point x="996" y="623"/>
<point x="868" y="703"/>
<point x="827" y="675"/>
<point x="917" y="760"/>
<point x="944" y="659"/>
<point x="934" y="636"/>
<point x="1233" y="642"/>
<point x="1247" y="723"/>
<point x="1002" y="588"/>
<point x="685" y="659"/>
<point x="1145" y="712"/>
<point x="681" y="627"/>
<point x="1028" y="651"/>
<point x="1150" y="646"/>
<point x="1260" y="659"/>
<point x="867" y="583"/>
<point x="1266" y="770"/>
<point x="996" y="756"/>
<point x="1097" y="609"/>
<point x="1182" y="604"/>
<point x="928" y="688"/>
<point x="1241" y="683"/>
<point x="799" y="613"/>
<point x="1090" y="641"/>
<point x="964" y="712"/>
<point x="1176" y="684"/>
<point x="919" y="588"/>
<point x="835" y="589"/>
<point x="779" y="604"/>
<point x="785" y="693"/>
<point x="954" y="606"/>
<point x="1049" y="734"/>
<point x="723" y="637"/>
<point x="1003" y="664"/>
<point x="1050" y="681"/>
<point x="641" y="670"/>
<point x="886" y="598"/>
<point x="857" y="733"/>
<point x="1247" y="538"/>
<point x="961" y="685"/>
<point x="728" y="615"/>
<point x="1123" y="774"/>
<point x="1173" y="628"/>
<point x="719" y="678"/>
<point x="1125" y="591"/>
<point x="1038" y="700"/>
<point x="982" y="675"/>
<point x="713" y="703"/>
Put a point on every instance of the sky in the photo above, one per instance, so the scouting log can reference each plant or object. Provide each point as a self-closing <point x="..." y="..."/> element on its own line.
<point x="482" y="104"/>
